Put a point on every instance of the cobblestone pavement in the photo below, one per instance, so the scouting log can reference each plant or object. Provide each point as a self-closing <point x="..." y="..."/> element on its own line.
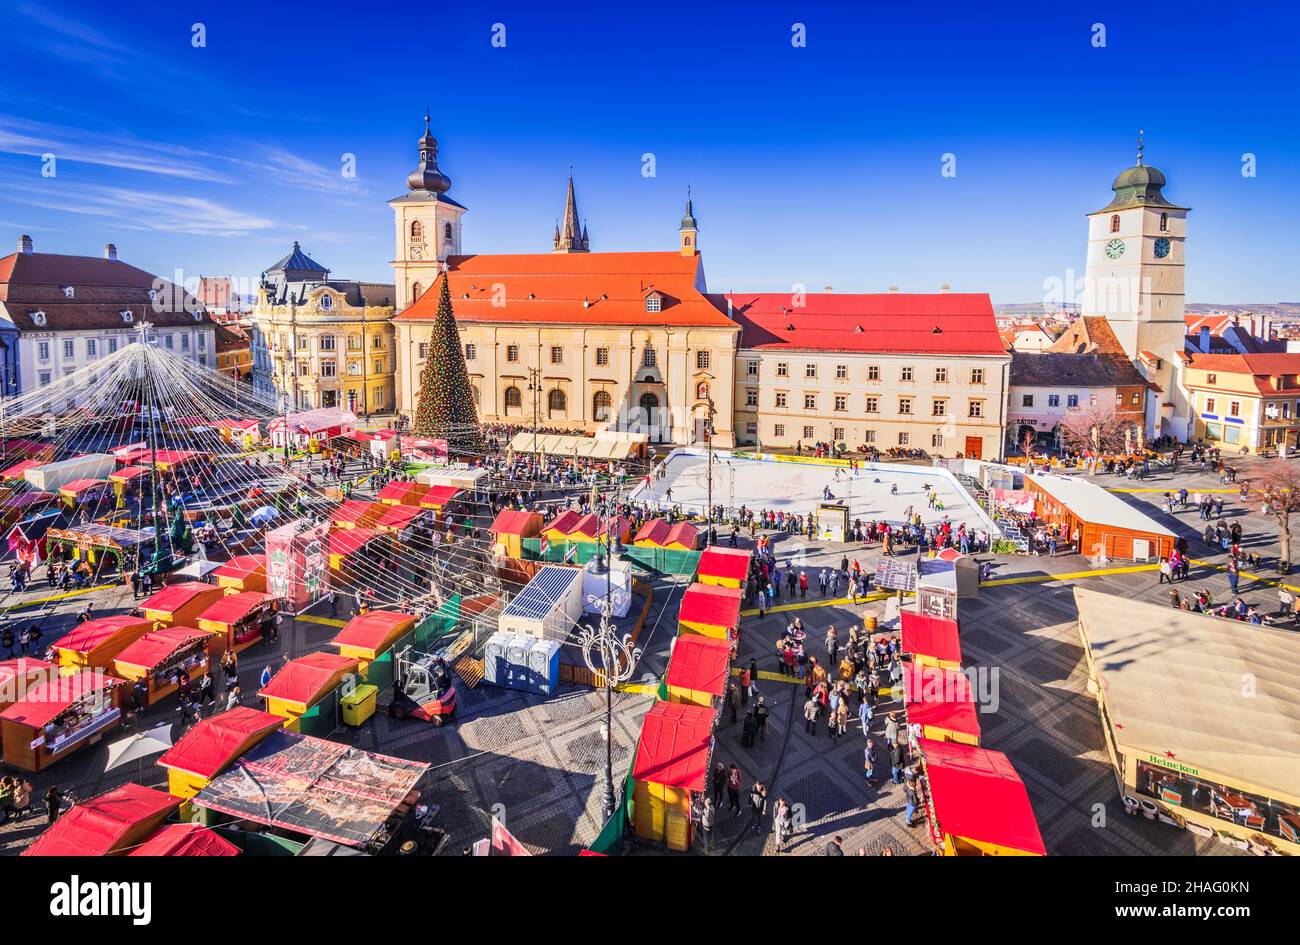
<point x="539" y="762"/>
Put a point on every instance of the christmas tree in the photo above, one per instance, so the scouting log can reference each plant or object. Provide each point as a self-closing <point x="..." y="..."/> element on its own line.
<point x="446" y="407"/>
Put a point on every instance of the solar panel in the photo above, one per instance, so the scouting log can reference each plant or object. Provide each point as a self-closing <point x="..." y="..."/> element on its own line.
<point x="539" y="595"/>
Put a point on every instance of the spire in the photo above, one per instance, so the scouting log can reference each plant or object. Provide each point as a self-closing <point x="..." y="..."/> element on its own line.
<point x="427" y="177"/>
<point x="1139" y="164"/>
<point x="689" y="230"/>
<point x="571" y="238"/>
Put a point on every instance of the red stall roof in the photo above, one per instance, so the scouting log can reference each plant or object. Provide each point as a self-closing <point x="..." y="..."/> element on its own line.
<point x="712" y="605"/>
<point x="954" y="716"/>
<point x="931" y="636"/>
<point x="511" y="522"/>
<point x="724" y="563"/>
<point x="439" y="495"/>
<point x="98" y="826"/>
<point x="656" y="531"/>
<point x="683" y="533"/>
<point x="241" y="566"/>
<point x="17" y="469"/>
<point x="156" y="646"/>
<point x="175" y="596"/>
<point x="302" y="680"/>
<point x="48" y="699"/>
<point x="22" y="667"/>
<point x="932" y="684"/>
<point x="398" y="516"/>
<point x="978" y="795"/>
<point x="370" y="629"/>
<point x="565" y="522"/>
<point x="78" y="486"/>
<point x="700" y="663"/>
<point x="352" y="510"/>
<point x="95" y="633"/>
<point x="129" y="472"/>
<point x="398" y="491"/>
<point x="345" y="541"/>
<point x="186" y="840"/>
<point x="214" y="743"/>
<point x="674" y="746"/>
<point x="235" y="607"/>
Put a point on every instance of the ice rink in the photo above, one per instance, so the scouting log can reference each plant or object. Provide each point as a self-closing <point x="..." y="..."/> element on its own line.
<point x="794" y="487"/>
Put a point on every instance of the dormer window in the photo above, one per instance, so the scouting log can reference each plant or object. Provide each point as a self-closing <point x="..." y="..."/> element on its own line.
<point x="326" y="302"/>
<point x="38" y="318"/>
<point x="69" y="292"/>
<point x="654" y="303"/>
<point x="127" y="316"/>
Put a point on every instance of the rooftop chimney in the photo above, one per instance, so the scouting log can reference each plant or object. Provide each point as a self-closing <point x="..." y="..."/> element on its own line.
<point x="829" y="289"/>
<point x="25" y="245"/>
<point x="110" y="251"/>
<point x="945" y="287"/>
<point x="893" y="288"/>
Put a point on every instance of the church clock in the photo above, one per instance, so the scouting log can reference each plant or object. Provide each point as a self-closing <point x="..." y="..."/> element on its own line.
<point x="1115" y="249"/>
<point x="1161" y="248"/>
<point x="416" y="252"/>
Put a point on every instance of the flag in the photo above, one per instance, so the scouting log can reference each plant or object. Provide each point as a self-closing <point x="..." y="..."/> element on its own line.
<point x="570" y="553"/>
<point x="546" y="544"/>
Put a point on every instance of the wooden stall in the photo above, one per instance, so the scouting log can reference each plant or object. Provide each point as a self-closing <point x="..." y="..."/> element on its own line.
<point x="19" y="676"/>
<point x="111" y="824"/>
<point x="94" y="540"/>
<point x="242" y="573"/>
<point x="239" y="619"/>
<point x="711" y="611"/>
<point x="511" y="527"/>
<point x="356" y="513"/>
<point x="975" y="803"/>
<point x="160" y="656"/>
<point x="723" y="567"/>
<point x="212" y="746"/>
<point x="671" y="767"/>
<point x="368" y="636"/>
<point x="346" y="545"/>
<point x="698" y="671"/>
<point x="932" y="641"/>
<point x="180" y="604"/>
<point x="58" y="717"/>
<point x="94" y="644"/>
<point x="942" y="702"/>
<point x="658" y="533"/>
<point x="303" y="682"/>
<point x="1106" y="523"/>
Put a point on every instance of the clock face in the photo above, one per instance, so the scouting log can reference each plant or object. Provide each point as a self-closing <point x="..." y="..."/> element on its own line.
<point x="1162" y="248"/>
<point x="416" y="253"/>
<point x="1115" y="249"/>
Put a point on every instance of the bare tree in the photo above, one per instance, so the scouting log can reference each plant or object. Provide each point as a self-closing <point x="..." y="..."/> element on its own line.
<point x="1278" y="486"/>
<point x="1027" y="442"/>
<point x="1096" y="428"/>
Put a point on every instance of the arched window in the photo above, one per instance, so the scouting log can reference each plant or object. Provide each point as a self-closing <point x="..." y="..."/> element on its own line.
<point x="1114" y="223"/>
<point x="1164" y="223"/>
<point x="417" y="231"/>
<point x="702" y="390"/>
<point x="416" y="289"/>
<point x="514" y="399"/>
<point x="687" y="240"/>
<point x="601" y="403"/>
<point x="556" y="404"/>
<point x="446" y="231"/>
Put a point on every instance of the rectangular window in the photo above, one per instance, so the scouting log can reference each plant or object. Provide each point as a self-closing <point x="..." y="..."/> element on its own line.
<point x="780" y="398"/>
<point x="1234" y="408"/>
<point x="778" y="430"/>
<point x="837" y="434"/>
<point x="1053" y="400"/>
<point x="977" y="376"/>
<point x="354" y="342"/>
<point x="976" y="408"/>
<point x="557" y="354"/>
<point x="702" y="360"/>
<point x="808" y="432"/>
<point x="1026" y="400"/>
<point x="941" y="375"/>
<point x="328" y="369"/>
<point x="936" y="440"/>
<point x="841" y="371"/>
<point x="873" y="372"/>
<point x="809" y="401"/>
<point x="906" y="374"/>
<point x="302" y="342"/>
<point x="810" y="370"/>
<point x="905" y="405"/>
<point x="45" y="378"/>
<point x="90" y="347"/>
<point x="648" y="358"/>
<point x="1209" y="405"/>
<point x="424" y="350"/>
<point x="185" y="342"/>
<point x="377" y="397"/>
<point x="1136" y="399"/>
<point x="751" y="397"/>
<point x="940" y="408"/>
<point x="1211" y="379"/>
<point x="67" y="349"/>
<point x="354" y="369"/>
<point x="751" y="428"/>
<point x="170" y="342"/>
<point x="1231" y="433"/>
<point x="602" y="357"/>
<point x="471" y="351"/>
<point x="841" y="402"/>
<point x="868" y="436"/>
<point x="379" y="367"/>
<point x="377" y="341"/>
<point x="1213" y="431"/>
<point x="751" y="369"/>
<point x="653" y="303"/>
<point x="782" y="369"/>
<point x="203" y="341"/>
<point x="1092" y="400"/>
<point x="1071" y="400"/>
<point x="43" y="350"/>
<point x="327" y="342"/>
<point x="512" y="352"/>
<point x="904" y="438"/>
<point x="112" y="345"/>
<point x="873" y="405"/>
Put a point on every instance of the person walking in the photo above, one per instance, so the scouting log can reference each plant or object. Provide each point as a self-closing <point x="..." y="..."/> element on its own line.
<point x="719" y="782"/>
<point x="761" y="713"/>
<point x="733" y="701"/>
<point x="782" y="824"/>
<point x="810" y="710"/>
<point x="745" y="681"/>
<point x="1234" y="574"/>
<point x="758" y="804"/>
<point x="870" y="756"/>
<point x="733" y="789"/>
<point x="708" y="815"/>
<point x="53" y="802"/>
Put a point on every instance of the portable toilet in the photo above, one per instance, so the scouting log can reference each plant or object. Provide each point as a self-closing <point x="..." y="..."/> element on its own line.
<point x="495" y="672"/>
<point x="544" y="667"/>
<point x="517" y="662"/>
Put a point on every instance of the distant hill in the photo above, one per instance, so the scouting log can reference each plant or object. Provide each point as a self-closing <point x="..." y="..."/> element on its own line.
<point x="1288" y="311"/>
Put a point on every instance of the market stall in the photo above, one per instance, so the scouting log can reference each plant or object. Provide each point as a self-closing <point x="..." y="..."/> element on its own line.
<point x="158" y="658"/>
<point x="53" y="476"/>
<point x="547" y="607"/>
<point x="108" y="825"/>
<point x="509" y="529"/>
<point x="1190" y="743"/>
<point x="942" y="702"/>
<point x="311" y="428"/>
<point x="94" y="644"/>
<point x="562" y="525"/>
<point x="240" y="619"/>
<point x="671" y="767"/>
<point x="658" y="533"/>
<point x="399" y="519"/>
<point x="94" y="541"/>
<point x="57" y="717"/>
<point x="26" y="538"/>
<point x="242" y="573"/>
<point x="19" y="676"/>
<point x="932" y="641"/>
<point x="710" y="610"/>
<point x="1107" y="525"/>
<point x="127" y="481"/>
<point x="84" y="492"/>
<point x="324" y="789"/>
<point x="353" y="513"/>
<point x="698" y="671"/>
<point x="186" y="839"/>
<point x="305" y="681"/>
<point x="346" y="546"/>
<point x="212" y="746"/>
<point x="967" y="570"/>
<point x="975" y="803"/>
<point x="181" y="604"/>
<point x="591" y="527"/>
<point x="723" y="567"/>
<point x="368" y="636"/>
<point x="402" y="493"/>
<point x="240" y="433"/>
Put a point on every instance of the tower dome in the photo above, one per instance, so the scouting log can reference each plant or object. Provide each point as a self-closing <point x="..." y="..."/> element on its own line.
<point x="427" y="176"/>
<point x="1139" y="186"/>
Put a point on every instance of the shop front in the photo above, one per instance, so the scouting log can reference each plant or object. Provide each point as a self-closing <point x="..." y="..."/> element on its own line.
<point x="59" y="717"/>
<point x="723" y="567"/>
<point x="975" y="803"/>
<point x="159" y="658"/>
<point x="239" y="620"/>
<point x="95" y="643"/>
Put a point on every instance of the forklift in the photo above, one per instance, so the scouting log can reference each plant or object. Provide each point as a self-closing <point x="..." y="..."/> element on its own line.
<point x="422" y="687"/>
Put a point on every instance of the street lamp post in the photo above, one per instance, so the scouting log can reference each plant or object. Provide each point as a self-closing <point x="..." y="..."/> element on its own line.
<point x="604" y="652"/>
<point x="708" y="446"/>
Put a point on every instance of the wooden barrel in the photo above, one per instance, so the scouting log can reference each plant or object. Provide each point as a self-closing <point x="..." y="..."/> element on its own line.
<point x="869" y="621"/>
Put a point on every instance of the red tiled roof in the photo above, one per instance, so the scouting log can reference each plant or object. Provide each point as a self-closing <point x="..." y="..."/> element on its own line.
<point x="574" y="288"/>
<point x="947" y="323"/>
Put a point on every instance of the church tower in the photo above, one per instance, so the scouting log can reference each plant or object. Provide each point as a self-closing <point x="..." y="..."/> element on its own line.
<point x="1134" y="279"/>
<point x="427" y="224"/>
<point x="569" y="237"/>
<point x="689" y="231"/>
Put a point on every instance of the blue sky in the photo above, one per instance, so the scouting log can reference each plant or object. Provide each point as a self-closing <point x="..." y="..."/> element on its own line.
<point x="817" y="165"/>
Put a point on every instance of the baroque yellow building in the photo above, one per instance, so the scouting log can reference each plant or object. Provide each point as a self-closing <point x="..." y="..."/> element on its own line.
<point x="323" y="342"/>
